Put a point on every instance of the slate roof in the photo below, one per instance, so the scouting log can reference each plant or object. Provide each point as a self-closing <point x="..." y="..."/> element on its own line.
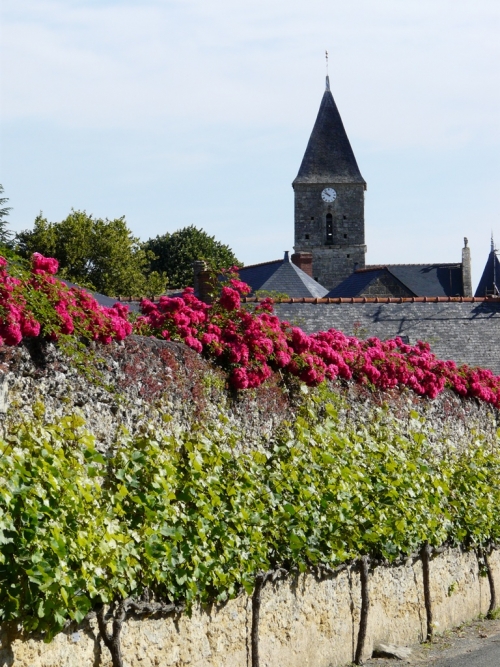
<point x="329" y="157"/>
<point x="256" y="275"/>
<point x="420" y="279"/>
<point x="281" y="276"/>
<point x="464" y="330"/>
<point x="430" y="279"/>
<point x="491" y="275"/>
<point x="359" y="281"/>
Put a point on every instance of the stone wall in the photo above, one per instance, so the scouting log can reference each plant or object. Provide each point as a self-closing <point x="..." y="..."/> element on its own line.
<point x="141" y="380"/>
<point x="303" y="621"/>
<point x="130" y="384"/>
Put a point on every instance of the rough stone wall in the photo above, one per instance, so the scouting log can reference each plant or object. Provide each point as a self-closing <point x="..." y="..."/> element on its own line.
<point x="138" y="381"/>
<point x="304" y="621"/>
<point x="449" y="421"/>
<point x="335" y="259"/>
<point x="133" y="383"/>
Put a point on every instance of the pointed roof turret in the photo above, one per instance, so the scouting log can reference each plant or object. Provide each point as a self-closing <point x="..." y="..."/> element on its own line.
<point x="489" y="285"/>
<point x="329" y="157"/>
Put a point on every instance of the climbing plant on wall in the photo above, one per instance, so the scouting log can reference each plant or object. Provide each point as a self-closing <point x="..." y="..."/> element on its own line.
<point x="188" y="519"/>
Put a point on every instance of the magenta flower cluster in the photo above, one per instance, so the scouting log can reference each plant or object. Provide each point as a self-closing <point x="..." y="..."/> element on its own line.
<point x="252" y="344"/>
<point x="40" y="303"/>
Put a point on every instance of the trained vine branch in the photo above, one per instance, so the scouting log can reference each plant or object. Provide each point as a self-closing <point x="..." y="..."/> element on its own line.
<point x="365" y="606"/>
<point x="118" y="613"/>
<point x="426" y="557"/>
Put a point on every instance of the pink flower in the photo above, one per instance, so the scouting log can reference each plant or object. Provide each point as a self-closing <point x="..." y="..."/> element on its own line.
<point x="209" y="338"/>
<point x="229" y="299"/>
<point x="282" y="359"/>
<point x="30" y="328"/>
<point x="193" y="343"/>
<point x="300" y="340"/>
<point x="240" y="286"/>
<point x="12" y="334"/>
<point x="43" y="264"/>
<point x="239" y="378"/>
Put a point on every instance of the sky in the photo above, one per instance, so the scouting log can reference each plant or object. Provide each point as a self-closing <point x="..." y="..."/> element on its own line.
<point x="179" y="112"/>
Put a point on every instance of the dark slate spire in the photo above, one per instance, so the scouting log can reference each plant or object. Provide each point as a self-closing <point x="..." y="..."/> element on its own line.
<point x="329" y="157"/>
<point x="489" y="285"/>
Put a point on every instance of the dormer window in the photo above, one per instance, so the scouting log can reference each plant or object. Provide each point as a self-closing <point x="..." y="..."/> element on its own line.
<point x="329" y="228"/>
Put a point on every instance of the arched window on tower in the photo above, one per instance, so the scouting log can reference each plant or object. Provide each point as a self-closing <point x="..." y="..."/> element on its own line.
<point x="329" y="228"/>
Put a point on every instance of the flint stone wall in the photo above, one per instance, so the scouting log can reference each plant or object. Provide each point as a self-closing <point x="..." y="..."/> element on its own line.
<point x="141" y="380"/>
<point x="131" y="384"/>
<point x="304" y="621"/>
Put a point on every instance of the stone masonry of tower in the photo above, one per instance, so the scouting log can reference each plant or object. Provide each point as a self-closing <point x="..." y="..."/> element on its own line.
<point x="334" y="232"/>
<point x="335" y="257"/>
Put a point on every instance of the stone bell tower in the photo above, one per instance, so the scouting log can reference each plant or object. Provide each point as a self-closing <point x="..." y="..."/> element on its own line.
<point x="329" y="200"/>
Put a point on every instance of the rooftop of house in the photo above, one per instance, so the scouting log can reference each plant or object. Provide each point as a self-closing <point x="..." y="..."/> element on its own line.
<point x="418" y="279"/>
<point x="490" y="280"/>
<point x="108" y="301"/>
<point x="281" y="276"/>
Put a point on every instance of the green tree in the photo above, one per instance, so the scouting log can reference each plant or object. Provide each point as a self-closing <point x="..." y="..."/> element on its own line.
<point x="176" y="253"/>
<point x="5" y="234"/>
<point x="98" y="254"/>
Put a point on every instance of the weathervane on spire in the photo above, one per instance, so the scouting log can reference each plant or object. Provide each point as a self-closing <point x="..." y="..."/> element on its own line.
<point x="327" y="77"/>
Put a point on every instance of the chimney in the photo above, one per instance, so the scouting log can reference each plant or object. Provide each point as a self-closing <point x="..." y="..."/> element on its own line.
<point x="304" y="261"/>
<point x="466" y="270"/>
<point x="202" y="281"/>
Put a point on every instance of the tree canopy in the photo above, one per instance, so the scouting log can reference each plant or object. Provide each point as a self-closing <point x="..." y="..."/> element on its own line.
<point x="102" y="255"/>
<point x="177" y="251"/>
<point x="5" y="234"/>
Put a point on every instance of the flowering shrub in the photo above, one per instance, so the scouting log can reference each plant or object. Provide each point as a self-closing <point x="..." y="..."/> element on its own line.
<point x="250" y="345"/>
<point x="36" y="303"/>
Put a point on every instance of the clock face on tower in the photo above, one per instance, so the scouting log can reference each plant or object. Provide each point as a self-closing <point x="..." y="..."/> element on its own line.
<point x="329" y="195"/>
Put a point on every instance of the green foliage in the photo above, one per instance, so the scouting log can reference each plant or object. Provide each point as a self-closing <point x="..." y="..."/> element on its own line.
<point x="192" y="519"/>
<point x="176" y="253"/>
<point x="5" y="234"/>
<point x="98" y="254"/>
<point x="12" y="256"/>
<point x="271" y="294"/>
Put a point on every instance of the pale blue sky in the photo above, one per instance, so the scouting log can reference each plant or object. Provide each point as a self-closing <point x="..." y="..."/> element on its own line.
<point x="173" y="113"/>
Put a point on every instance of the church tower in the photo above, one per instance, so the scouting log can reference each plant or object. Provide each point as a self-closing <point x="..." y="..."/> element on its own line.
<point x="329" y="200"/>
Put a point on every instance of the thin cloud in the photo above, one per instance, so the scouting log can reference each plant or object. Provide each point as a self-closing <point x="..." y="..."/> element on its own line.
<point x="404" y="73"/>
